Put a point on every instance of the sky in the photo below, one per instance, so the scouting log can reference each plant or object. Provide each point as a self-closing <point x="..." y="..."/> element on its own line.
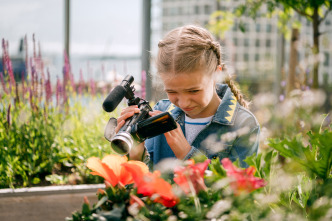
<point x="98" y="27"/>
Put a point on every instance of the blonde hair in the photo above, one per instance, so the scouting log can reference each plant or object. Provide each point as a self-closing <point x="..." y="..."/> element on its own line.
<point x="190" y="48"/>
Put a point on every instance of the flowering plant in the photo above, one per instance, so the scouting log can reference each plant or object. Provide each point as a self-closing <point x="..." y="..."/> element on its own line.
<point x="291" y="181"/>
<point x="195" y="193"/>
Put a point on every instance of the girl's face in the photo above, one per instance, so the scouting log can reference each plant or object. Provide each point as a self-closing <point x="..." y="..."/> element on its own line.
<point x="193" y="92"/>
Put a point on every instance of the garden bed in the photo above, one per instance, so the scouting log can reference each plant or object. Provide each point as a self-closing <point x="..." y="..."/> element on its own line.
<point x="44" y="203"/>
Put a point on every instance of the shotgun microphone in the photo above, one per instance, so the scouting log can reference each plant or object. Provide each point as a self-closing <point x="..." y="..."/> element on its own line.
<point x="114" y="98"/>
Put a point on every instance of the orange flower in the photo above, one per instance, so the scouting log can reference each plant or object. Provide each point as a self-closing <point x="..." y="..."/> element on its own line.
<point x="191" y="177"/>
<point x="243" y="180"/>
<point x="112" y="170"/>
<point x="152" y="185"/>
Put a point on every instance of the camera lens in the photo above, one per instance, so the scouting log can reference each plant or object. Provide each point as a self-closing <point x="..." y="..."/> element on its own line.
<point x="122" y="143"/>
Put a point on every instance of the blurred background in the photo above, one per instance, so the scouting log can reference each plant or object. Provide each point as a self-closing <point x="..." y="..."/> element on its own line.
<point x="56" y="54"/>
<point x="61" y="58"/>
<point x="105" y="37"/>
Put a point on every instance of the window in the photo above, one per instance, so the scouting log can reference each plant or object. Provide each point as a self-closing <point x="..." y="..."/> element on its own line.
<point x="173" y="11"/>
<point x="268" y="28"/>
<point x="235" y="41"/>
<point x="246" y="57"/>
<point x="246" y="26"/>
<point x="196" y="10"/>
<point x="308" y="22"/>
<point x="256" y="57"/>
<point x="207" y="9"/>
<point x="258" y="27"/>
<point x="257" y="43"/>
<point x="234" y="26"/>
<point x="246" y="42"/>
<point x="327" y="59"/>
<point x="268" y="43"/>
<point x="165" y="11"/>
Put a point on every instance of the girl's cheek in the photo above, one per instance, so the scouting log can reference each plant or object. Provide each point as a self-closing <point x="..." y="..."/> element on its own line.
<point x="172" y="98"/>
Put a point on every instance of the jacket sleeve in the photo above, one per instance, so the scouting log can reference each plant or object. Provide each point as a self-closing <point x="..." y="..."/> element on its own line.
<point x="246" y="145"/>
<point x="193" y="151"/>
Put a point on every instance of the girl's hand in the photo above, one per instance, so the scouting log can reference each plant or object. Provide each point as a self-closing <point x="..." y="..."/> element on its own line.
<point x="126" y="113"/>
<point x="176" y="140"/>
<point x="136" y="152"/>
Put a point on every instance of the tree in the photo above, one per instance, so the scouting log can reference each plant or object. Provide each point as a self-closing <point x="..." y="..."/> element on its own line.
<point x="315" y="11"/>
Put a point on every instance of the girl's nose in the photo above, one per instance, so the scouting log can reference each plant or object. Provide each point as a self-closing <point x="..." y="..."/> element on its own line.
<point x="183" y="102"/>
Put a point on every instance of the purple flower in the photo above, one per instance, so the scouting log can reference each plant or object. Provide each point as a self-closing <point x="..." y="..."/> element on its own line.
<point x="26" y="54"/>
<point x="81" y="83"/>
<point x="48" y="88"/>
<point x="281" y="97"/>
<point x="22" y="77"/>
<point x="3" y="83"/>
<point x="283" y="83"/>
<point x="58" y="92"/>
<point x="92" y="87"/>
<point x="34" y="46"/>
<point x="8" y="64"/>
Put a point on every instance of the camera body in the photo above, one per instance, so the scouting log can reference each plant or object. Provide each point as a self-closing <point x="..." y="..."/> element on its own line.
<point x="140" y="126"/>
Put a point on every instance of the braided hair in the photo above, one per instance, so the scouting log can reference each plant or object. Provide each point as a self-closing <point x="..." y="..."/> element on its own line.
<point x="190" y="48"/>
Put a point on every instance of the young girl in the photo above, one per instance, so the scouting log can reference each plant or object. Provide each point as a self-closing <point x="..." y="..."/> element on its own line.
<point x="213" y="119"/>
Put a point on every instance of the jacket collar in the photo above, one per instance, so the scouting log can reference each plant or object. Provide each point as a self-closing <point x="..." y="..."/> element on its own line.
<point x="226" y="111"/>
<point x="228" y="107"/>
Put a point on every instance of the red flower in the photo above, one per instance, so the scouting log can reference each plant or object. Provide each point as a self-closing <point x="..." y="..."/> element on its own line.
<point x="191" y="177"/>
<point x="242" y="180"/>
<point x="152" y="185"/>
<point x="112" y="170"/>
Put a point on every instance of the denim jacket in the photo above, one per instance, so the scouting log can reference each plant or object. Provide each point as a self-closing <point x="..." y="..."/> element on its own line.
<point x="233" y="132"/>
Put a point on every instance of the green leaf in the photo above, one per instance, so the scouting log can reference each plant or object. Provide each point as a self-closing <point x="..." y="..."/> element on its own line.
<point x="316" y="157"/>
<point x="36" y="180"/>
<point x="216" y="168"/>
<point x="86" y="209"/>
<point x="101" y="202"/>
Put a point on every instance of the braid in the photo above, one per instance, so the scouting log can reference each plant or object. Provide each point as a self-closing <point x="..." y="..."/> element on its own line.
<point x="237" y="93"/>
<point x="215" y="47"/>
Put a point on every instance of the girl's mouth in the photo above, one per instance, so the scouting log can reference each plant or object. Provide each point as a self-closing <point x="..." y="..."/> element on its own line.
<point x="188" y="109"/>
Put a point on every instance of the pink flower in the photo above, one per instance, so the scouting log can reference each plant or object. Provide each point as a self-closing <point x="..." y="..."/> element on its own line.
<point x="7" y="63"/>
<point x="48" y="88"/>
<point x="58" y="92"/>
<point x="242" y="180"/>
<point x="191" y="177"/>
<point x="81" y="83"/>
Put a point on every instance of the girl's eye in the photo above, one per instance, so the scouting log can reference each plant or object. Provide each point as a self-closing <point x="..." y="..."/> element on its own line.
<point x="193" y="91"/>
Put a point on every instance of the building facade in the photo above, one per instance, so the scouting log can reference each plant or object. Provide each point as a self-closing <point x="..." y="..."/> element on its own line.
<point x="256" y="53"/>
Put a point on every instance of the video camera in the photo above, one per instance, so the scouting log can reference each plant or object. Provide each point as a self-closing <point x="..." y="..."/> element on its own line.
<point x="140" y="126"/>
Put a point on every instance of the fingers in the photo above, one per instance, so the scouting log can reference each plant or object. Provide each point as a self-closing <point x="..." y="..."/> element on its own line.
<point x="125" y="114"/>
<point x="175" y="133"/>
<point x="133" y="108"/>
<point x="118" y="127"/>
<point x="154" y="113"/>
